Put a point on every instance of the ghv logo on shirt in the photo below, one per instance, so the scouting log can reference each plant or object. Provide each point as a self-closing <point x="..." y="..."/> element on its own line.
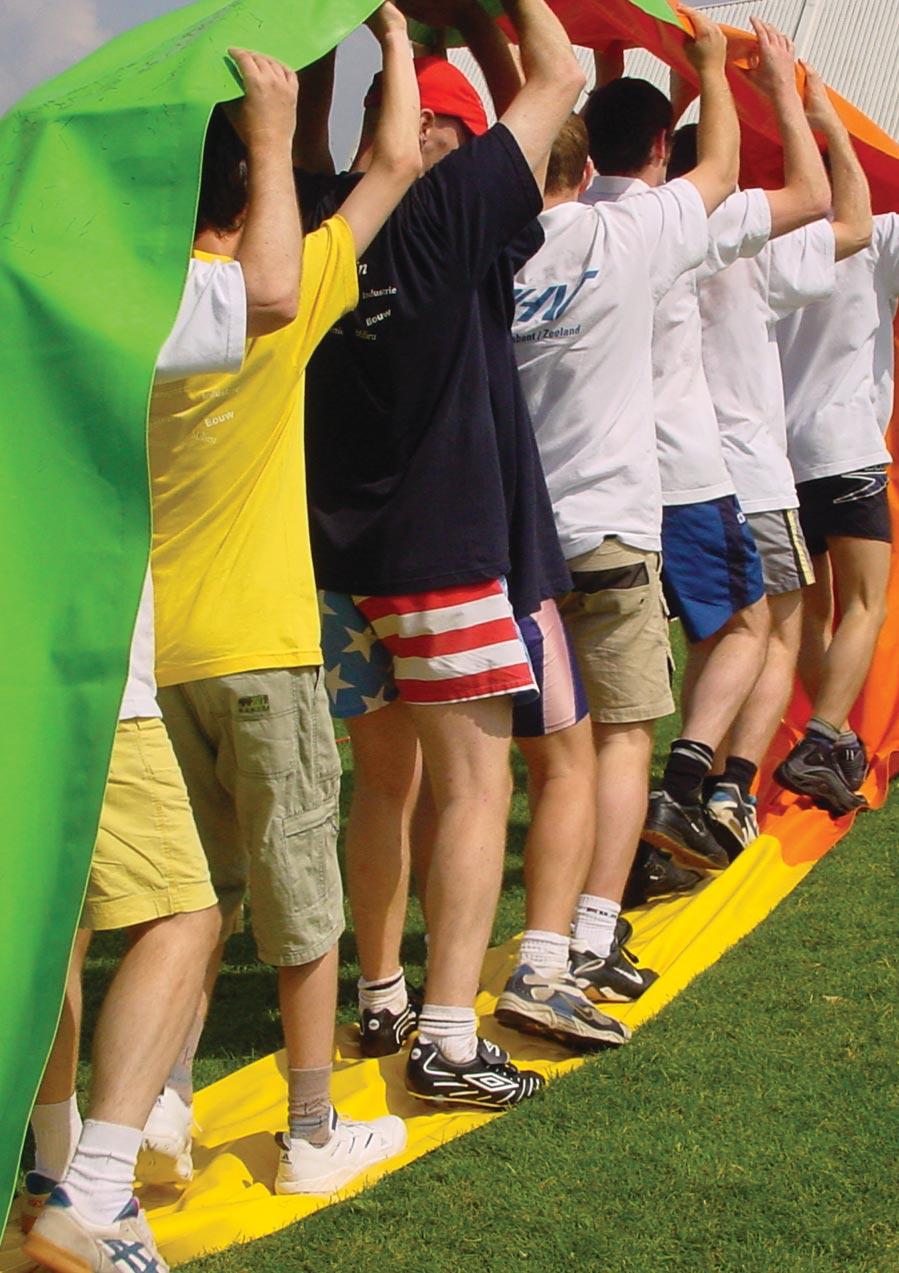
<point x="556" y="298"/>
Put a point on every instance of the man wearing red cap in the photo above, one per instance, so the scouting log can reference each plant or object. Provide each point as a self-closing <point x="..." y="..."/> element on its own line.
<point x="432" y="534"/>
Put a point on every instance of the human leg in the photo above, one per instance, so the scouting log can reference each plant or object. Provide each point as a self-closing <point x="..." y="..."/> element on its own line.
<point x="817" y="627"/>
<point x="861" y="569"/>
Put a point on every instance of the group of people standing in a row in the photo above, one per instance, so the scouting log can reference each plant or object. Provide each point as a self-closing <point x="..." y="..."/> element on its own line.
<point x="561" y="379"/>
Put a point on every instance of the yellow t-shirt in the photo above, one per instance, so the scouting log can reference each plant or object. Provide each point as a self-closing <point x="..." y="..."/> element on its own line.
<point x="232" y="566"/>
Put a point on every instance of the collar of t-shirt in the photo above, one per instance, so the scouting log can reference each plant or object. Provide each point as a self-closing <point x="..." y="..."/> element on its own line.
<point x="602" y="189"/>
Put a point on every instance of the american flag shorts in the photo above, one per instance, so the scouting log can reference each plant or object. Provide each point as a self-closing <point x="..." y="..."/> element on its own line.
<point x="447" y="645"/>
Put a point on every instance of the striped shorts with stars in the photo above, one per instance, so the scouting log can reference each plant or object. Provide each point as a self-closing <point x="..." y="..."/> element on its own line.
<point x="447" y="645"/>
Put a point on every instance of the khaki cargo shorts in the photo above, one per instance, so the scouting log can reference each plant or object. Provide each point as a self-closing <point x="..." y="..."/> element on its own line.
<point x="618" y="624"/>
<point x="148" y="862"/>
<point x="262" y="768"/>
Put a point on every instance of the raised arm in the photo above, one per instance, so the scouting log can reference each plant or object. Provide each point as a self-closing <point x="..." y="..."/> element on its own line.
<point x="553" y="81"/>
<point x="270" y="246"/>
<point x="311" y="140"/>
<point x="805" y="195"/>
<point x="608" y="63"/>
<point x="396" y="151"/>
<point x="853" y="224"/>
<point x="486" y="42"/>
<point x="718" y="135"/>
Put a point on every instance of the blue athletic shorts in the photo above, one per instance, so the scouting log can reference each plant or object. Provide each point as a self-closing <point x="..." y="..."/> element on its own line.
<point x="710" y="565"/>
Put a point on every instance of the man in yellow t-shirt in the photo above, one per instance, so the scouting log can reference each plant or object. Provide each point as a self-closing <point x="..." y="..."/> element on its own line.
<point x="238" y="658"/>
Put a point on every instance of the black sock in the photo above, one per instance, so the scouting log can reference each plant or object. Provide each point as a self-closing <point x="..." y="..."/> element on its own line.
<point x="741" y="773"/>
<point x="709" y="784"/>
<point x="688" y="763"/>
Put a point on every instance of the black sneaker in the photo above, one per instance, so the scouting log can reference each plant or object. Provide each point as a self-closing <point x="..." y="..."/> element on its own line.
<point x="683" y="830"/>
<point x="811" y="770"/>
<point x="852" y="761"/>
<point x="615" y="977"/>
<point x="557" y="1008"/>
<point x="732" y="818"/>
<point x="384" y="1033"/>
<point x="655" y="874"/>
<point x="489" y="1081"/>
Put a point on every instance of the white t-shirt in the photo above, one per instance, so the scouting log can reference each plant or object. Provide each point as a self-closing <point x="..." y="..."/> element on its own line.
<point x="837" y="360"/>
<point x="583" y="337"/>
<point x="740" y="307"/>
<point x="209" y="335"/>
<point x="690" y="456"/>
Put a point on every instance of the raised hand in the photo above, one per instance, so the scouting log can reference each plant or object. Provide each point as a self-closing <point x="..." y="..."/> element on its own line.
<point x="708" y="47"/>
<point x="775" y="60"/>
<point x="819" y="109"/>
<point x="385" y="18"/>
<point x="268" y="111"/>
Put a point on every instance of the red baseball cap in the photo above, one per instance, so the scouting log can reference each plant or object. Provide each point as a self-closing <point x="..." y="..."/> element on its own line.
<point x="444" y="90"/>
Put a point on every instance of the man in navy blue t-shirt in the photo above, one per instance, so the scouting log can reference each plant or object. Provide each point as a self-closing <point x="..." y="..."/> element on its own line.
<point x="432" y="532"/>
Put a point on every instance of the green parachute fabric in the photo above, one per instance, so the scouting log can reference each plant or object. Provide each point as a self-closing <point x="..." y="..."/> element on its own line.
<point x="99" y="171"/>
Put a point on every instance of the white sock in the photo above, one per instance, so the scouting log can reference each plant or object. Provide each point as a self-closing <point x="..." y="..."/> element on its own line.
<point x="594" y="924"/>
<point x="100" y="1177"/>
<point x="453" y="1030"/>
<point x="546" y="953"/>
<point x="388" y="992"/>
<point x="56" y="1131"/>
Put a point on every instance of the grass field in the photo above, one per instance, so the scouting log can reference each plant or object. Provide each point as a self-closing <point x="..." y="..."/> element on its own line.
<point x="752" y="1128"/>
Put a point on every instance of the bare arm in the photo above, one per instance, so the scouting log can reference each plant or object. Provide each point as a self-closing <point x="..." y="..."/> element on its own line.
<point x="608" y="63"/>
<point x="270" y="248"/>
<point x="396" y="151"/>
<point x="718" y="135"/>
<point x="681" y="92"/>
<point x="853" y="224"/>
<point x="311" y="141"/>
<point x="487" y="43"/>
<point x="806" y="195"/>
<point x="553" y="81"/>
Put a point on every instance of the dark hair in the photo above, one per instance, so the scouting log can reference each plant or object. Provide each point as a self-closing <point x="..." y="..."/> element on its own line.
<point x="568" y="156"/>
<point x="623" y="120"/>
<point x="223" y="186"/>
<point x="683" y="151"/>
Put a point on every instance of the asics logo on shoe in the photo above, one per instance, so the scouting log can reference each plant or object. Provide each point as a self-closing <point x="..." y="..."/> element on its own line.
<point x="133" y="1256"/>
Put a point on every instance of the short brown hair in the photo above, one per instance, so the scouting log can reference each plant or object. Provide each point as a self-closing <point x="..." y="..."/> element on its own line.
<point x="568" y="156"/>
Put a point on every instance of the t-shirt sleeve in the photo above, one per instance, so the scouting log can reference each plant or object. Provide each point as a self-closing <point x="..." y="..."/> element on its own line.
<point x="886" y="245"/>
<point x="329" y="284"/>
<point x="467" y="208"/>
<point x="210" y="331"/>
<point x="801" y="269"/>
<point x="739" y="227"/>
<point x="674" y="227"/>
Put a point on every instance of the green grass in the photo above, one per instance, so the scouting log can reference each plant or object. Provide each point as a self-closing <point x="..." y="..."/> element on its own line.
<point x="752" y="1128"/>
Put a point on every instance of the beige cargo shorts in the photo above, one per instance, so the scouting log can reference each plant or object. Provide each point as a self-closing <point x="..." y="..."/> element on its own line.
<point x="262" y="770"/>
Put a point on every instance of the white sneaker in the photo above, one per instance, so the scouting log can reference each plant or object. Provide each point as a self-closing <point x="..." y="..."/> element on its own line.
<point x="306" y="1168"/>
<point x="63" y="1240"/>
<point x="165" y="1156"/>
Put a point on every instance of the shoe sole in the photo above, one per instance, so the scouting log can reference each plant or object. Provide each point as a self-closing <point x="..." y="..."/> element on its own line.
<point x="508" y="1015"/>
<point x="818" y="790"/>
<point x="50" y="1256"/>
<point x="683" y="855"/>
<point x="470" y="1103"/>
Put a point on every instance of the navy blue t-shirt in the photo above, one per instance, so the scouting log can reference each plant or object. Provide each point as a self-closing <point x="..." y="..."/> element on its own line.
<point x="414" y="475"/>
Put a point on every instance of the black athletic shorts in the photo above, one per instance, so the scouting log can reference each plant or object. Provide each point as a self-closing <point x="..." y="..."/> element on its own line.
<point x="853" y="505"/>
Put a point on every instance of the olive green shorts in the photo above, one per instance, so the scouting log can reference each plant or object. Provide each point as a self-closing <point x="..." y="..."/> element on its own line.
<point x="262" y="769"/>
<point x="618" y="624"/>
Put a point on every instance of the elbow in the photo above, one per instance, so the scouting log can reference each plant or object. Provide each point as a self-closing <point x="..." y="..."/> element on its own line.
<point x="862" y="233"/>
<point x="573" y="78"/>
<point x="271" y="316"/>
<point x="402" y="167"/>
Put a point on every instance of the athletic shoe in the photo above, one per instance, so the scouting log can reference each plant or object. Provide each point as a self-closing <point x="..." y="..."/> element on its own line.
<point x="165" y="1156"/>
<point x="37" y="1190"/>
<point x="811" y="770"/>
<point x="732" y="818"/>
<point x="852" y="761"/>
<point x="490" y="1081"/>
<point x="682" y="830"/>
<point x="557" y="1007"/>
<point x="384" y="1033"/>
<point x="655" y="874"/>
<point x="353" y="1147"/>
<point x="615" y="977"/>
<point x="66" y="1242"/>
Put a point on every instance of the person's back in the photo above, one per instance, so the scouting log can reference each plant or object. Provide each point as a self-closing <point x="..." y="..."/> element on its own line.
<point x="836" y="360"/>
